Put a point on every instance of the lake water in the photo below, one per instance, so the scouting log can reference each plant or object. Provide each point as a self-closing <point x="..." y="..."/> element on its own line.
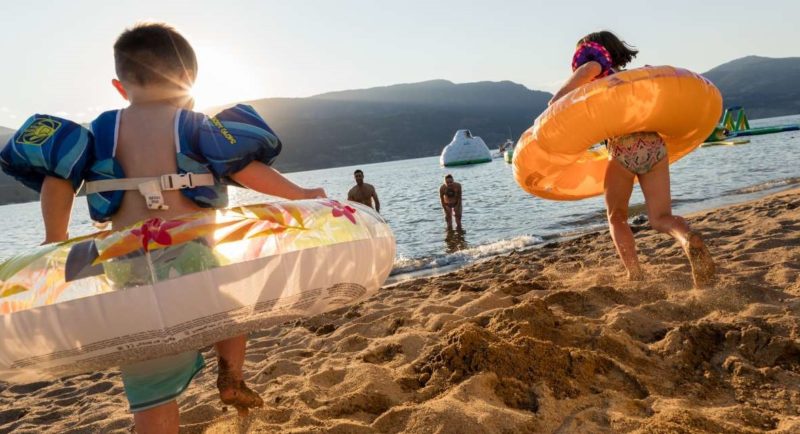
<point x="498" y="215"/>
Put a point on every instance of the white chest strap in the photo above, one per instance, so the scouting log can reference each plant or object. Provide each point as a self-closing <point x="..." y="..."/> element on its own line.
<point x="151" y="187"/>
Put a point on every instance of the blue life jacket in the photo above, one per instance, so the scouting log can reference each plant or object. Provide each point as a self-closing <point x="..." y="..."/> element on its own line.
<point x="221" y="145"/>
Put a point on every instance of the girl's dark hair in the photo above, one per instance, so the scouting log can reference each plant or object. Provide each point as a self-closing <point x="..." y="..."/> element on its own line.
<point x="145" y="54"/>
<point x="621" y="52"/>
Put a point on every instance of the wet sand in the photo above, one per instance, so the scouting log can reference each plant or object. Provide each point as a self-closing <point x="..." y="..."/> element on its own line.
<point x="552" y="339"/>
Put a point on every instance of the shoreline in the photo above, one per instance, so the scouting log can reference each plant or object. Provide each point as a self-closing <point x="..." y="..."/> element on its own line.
<point x="551" y="339"/>
<point x="594" y="228"/>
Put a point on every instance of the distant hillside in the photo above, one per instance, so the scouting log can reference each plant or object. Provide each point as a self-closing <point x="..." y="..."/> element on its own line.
<point x="395" y="122"/>
<point x="764" y="86"/>
<point x="10" y="190"/>
<point x="13" y="192"/>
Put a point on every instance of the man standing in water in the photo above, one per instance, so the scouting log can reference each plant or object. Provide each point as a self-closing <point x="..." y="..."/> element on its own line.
<point x="450" y="197"/>
<point x="363" y="192"/>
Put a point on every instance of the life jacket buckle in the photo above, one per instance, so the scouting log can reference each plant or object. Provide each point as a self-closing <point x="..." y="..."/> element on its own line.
<point x="177" y="181"/>
<point x="151" y="190"/>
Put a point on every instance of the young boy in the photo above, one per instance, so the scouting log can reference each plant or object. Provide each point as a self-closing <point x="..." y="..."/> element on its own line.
<point x="156" y="68"/>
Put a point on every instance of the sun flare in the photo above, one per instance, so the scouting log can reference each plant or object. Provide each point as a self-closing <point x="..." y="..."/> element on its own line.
<point x="222" y="79"/>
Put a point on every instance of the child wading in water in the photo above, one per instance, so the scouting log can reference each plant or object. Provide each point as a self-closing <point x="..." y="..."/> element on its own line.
<point x="156" y="68"/>
<point x="641" y="155"/>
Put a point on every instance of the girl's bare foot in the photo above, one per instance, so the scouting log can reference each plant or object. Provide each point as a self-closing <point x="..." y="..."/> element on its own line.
<point x="233" y="391"/>
<point x="703" y="268"/>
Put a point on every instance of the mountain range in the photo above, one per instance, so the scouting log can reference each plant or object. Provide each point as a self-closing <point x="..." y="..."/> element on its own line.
<point x="417" y="119"/>
<point x="395" y="122"/>
<point x="764" y="86"/>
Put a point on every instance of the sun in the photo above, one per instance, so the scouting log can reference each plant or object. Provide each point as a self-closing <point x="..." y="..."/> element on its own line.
<point x="223" y="79"/>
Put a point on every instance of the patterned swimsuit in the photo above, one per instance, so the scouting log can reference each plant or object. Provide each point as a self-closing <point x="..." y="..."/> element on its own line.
<point x="637" y="152"/>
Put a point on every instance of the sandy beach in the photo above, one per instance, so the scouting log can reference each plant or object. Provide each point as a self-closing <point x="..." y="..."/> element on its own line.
<point x="553" y="339"/>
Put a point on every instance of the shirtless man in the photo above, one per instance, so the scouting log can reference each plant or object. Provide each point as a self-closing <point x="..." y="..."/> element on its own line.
<point x="363" y="192"/>
<point x="450" y="197"/>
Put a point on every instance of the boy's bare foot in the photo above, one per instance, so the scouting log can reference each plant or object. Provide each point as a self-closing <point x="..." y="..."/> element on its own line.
<point x="703" y="268"/>
<point x="240" y="397"/>
<point x="234" y="392"/>
<point x="635" y="275"/>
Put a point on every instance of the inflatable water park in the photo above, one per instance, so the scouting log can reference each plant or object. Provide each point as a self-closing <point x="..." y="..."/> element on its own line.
<point x="465" y="149"/>
<point x="735" y="124"/>
<point x="504" y="148"/>
<point x="506" y="151"/>
<point x="508" y="155"/>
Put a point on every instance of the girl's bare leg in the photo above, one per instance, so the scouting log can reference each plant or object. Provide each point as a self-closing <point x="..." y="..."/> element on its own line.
<point x="618" y="187"/>
<point x="655" y="186"/>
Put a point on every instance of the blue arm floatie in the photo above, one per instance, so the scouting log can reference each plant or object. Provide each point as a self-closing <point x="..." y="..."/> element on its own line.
<point x="47" y="146"/>
<point x="236" y="137"/>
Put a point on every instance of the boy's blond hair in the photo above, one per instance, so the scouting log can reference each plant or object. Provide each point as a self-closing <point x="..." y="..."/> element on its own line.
<point x="154" y="53"/>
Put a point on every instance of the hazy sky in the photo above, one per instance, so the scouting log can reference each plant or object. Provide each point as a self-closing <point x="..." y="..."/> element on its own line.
<point x="57" y="55"/>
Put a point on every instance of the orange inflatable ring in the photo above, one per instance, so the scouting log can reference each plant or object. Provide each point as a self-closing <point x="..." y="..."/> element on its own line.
<point x="554" y="158"/>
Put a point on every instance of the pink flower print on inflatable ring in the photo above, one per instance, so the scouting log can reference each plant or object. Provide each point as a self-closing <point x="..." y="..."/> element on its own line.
<point x="155" y="229"/>
<point x="341" y="210"/>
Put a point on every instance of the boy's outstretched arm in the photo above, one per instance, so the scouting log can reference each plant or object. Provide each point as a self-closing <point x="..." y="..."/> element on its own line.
<point x="56" y="199"/>
<point x="264" y="179"/>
